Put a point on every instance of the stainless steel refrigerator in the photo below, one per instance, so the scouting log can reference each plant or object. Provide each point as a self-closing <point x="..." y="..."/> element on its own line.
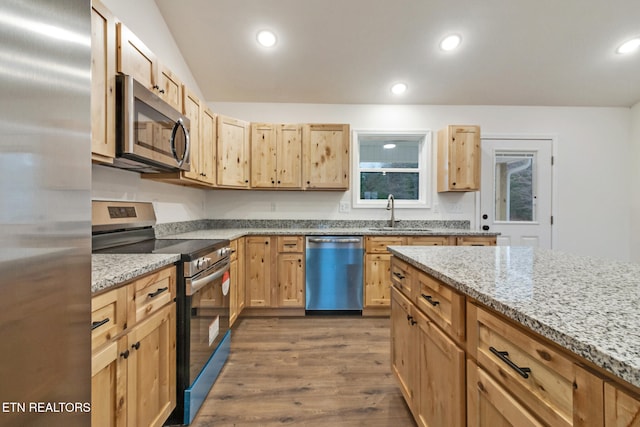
<point x="45" y="212"/>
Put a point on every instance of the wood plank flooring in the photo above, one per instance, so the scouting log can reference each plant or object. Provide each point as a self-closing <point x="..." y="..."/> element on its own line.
<point x="307" y="371"/>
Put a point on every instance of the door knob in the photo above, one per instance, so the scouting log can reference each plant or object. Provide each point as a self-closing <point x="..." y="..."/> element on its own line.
<point x="485" y="227"/>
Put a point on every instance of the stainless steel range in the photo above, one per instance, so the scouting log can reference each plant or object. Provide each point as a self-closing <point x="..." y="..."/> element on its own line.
<point x="203" y="337"/>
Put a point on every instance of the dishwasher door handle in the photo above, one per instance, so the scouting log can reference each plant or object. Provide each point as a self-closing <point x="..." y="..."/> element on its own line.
<point x="333" y="240"/>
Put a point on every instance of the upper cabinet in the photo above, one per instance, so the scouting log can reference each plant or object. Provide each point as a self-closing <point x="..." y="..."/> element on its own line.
<point x="326" y="156"/>
<point x="459" y="158"/>
<point x="233" y="153"/>
<point x="103" y="89"/>
<point x="276" y="156"/>
<point x="138" y="61"/>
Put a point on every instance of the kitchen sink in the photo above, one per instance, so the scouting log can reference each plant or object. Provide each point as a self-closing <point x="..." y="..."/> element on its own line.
<point x="399" y="229"/>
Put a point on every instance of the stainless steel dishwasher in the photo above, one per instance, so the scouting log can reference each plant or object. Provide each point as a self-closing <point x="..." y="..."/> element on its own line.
<point x="334" y="279"/>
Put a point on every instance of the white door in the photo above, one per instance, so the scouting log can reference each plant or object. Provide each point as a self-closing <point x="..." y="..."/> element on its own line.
<point x="515" y="199"/>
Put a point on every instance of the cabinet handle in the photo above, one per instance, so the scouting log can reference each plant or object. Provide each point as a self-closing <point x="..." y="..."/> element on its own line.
<point x="155" y="87"/>
<point x="161" y="90"/>
<point x="136" y="345"/>
<point x="430" y="300"/>
<point x="504" y="356"/>
<point x="398" y="275"/>
<point x="410" y="319"/>
<point x="158" y="292"/>
<point x="95" y="325"/>
<point x="124" y="354"/>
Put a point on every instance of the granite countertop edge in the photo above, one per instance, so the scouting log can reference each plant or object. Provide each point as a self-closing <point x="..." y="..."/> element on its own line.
<point x="598" y="356"/>
<point x="111" y="270"/>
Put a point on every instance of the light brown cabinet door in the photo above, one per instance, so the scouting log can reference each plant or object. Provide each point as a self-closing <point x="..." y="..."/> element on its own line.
<point x="207" y="145"/>
<point x="621" y="409"/>
<point x="403" y="344"/>
<point x="151" y="376"/>
<point x="263" y="155"/>
<point x="103" y="89"/>
<point x="289" y="159"/>
<point x="490" y="405"/>
<point x="377" y="284"/>
<point x="233" y="153"/>
<point x="170" y="87"/>
<point x="136" y="59"/>
<point x="192" y="112"/>
<point x="233" y="291"/>
<point x="258" y="260"/>
<point x="459" y="158"/>
<point x="326" y="156"/>
<point x="440" y="395"/>
<point x="109" y="386"/>
<point x="291" y="280"/>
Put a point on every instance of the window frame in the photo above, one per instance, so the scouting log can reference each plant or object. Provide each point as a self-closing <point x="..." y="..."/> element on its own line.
<point x="425" y="171"/>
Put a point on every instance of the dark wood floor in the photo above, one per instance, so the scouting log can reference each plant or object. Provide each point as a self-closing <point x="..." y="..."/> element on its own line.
<point x="311" y="371"/>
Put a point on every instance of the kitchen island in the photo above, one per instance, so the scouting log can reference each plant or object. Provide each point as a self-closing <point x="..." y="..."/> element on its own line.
<point x="578" y="312"/>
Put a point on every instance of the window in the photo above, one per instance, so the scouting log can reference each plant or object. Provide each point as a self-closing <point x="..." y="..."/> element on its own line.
<point x="391" y="163"/>
<point x="514" y="186"/>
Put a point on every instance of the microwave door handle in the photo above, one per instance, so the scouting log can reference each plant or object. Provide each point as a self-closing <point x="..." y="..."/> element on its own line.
<point x="179" y="124"/>
<point x="194" y="286"/>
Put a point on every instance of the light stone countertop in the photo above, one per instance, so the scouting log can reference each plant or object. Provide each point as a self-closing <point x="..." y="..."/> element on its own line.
<point x="587" y="305"/>
<point x="108" y="270"/>
<point x="234" y="233"/>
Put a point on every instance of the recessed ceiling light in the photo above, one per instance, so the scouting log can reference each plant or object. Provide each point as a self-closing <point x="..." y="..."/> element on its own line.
<point x="399" y="88"/>
<point x="450" y="42"/>
<point x="389" y="146"/>
<point x="629" y="46"/>
<point x="266" y="38"/>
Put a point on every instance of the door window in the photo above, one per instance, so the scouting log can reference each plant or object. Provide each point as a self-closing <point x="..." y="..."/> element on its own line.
<point x="514" y="186"/>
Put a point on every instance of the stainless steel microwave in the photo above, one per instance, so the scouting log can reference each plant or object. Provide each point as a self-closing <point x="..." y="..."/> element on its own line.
<point x="151" y="135"/>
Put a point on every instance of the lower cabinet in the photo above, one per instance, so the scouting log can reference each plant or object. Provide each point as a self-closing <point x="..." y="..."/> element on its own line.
<point x="151" y="369"/>
<point x="275" y="271"/>
<point x="440" y="396"/>
<point x="236" y="286"/>
<point x="459" y="363"/>
<point x="621" y="408"/>
<point x="429" y="366"/>
<point x="133" y="374"/>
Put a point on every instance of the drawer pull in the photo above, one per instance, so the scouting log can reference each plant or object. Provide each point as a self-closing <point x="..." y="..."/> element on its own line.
<point x="158" y="292"/>
<point x="410" y="319"/>
<point x="430" y="300"/>
<point x="398" y="275"/>
<point x="95" y="325"/>
<point x="504" y="356"/>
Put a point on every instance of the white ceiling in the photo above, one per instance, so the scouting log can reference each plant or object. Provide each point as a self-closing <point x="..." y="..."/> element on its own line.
<point x="514" y="52"/>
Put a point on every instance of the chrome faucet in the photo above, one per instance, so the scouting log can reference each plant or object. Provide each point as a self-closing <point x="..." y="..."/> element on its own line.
<point x="391" y="207"/>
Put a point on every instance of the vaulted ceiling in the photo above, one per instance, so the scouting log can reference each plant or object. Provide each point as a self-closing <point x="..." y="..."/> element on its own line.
<point x="513" y="52"/>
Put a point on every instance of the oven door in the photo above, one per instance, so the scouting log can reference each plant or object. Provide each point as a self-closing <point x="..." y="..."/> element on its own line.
<point x="208" y="314"/>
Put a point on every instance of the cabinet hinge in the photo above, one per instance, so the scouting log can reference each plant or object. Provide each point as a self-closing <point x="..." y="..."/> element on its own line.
<point x="552" y="160"/>
<point x="551" y="219"/>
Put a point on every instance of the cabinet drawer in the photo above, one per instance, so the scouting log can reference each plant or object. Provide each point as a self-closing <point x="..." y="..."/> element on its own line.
<point x="538" y="375"/>
<point x="153" y="291"/>
<point x="442" y="304"/>
<point x="428" y="240"/>
<point x="401" y="276"/>
<point x="475" y="241"/>
<point x="108" y="316"/>
<point x="290" y="244"/>
<point x="378" y="244"/>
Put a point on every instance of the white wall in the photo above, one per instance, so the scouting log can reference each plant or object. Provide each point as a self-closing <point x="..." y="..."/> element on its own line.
<point x="593" y="166"/>
<point x="635" y="183"/>
<point x="172" y="203"/>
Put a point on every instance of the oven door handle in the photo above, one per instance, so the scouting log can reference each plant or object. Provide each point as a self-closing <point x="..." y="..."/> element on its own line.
<point x="194" y="285"/>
